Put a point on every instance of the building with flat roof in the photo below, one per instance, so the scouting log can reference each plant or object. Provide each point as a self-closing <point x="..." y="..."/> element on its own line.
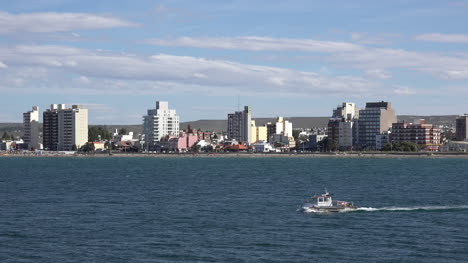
<point x="31" y="128"/>
<point x="160" y="122"/>
<point x="462" y="128"/>
<point x="426" y="136"/>
<point x="340" y="126"/>
<point x="72" y="127"/>
<point x="239" y="125"/>
<point x="375" y="119"/>
<point x="50" y="131"/>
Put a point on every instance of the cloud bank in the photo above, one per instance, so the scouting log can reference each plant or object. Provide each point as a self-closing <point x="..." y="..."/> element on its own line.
<point x="56" y="22"/>
<point x="342" y="53"/>
<point x="178" y="73"/>
<point x="443" y="38"/>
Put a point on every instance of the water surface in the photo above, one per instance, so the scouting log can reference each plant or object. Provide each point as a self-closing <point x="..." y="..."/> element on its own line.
<point x="231" y="210"/>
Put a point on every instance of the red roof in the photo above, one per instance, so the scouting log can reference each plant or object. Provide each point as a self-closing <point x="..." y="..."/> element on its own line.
<point x="236" y="147"/>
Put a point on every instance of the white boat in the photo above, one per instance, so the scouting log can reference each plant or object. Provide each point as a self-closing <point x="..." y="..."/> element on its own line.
<point x="324" y="204"/>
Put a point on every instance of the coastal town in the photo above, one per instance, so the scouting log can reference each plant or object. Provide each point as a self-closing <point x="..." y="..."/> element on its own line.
<point x="374" y="127"/>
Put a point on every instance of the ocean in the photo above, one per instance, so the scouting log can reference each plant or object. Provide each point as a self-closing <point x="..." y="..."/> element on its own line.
<point x="231" y="209"/>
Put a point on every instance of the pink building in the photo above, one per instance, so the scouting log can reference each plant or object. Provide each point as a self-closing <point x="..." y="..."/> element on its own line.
<point x="181" y="143"/>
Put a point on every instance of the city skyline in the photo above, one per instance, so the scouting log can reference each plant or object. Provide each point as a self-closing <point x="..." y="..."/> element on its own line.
<point x="282" y="59"/>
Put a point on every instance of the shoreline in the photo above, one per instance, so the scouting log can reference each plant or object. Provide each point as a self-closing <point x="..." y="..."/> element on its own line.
<point x="247" y="155"/>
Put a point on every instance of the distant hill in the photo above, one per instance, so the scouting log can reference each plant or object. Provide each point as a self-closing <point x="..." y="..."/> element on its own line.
<point x="445" y="120"/>
<point x="221" y="125"/>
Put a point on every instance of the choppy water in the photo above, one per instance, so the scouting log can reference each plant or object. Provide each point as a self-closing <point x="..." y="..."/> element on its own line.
<point x="231" y="210"/>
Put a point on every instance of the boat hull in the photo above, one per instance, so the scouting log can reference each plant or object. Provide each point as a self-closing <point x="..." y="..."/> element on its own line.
<point x="331" y="209"/>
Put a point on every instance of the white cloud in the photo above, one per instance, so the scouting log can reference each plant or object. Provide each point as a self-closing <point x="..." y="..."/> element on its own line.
<point x="83" y="80"/>
<point x="3" y="65"/>
<point x="403" y="91"/>
<point x="365" y="38"/>
<point x="170" y="73"/>
<point x="378" y="74"/>
<point x="341" y="53"/>
<point x="255" y="43"/>
<point x="443" y="38"/>
<point x="56" y="22"/>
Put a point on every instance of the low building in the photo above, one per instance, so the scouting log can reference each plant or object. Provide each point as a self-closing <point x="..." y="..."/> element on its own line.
<point x="263" y="147"/>
<point x="381" y="140"/>
<point x="314" y="139"/>
<point x="426" y="136"/>
<point x="455" y="146"/>
<point x="181" y="143"/>
<point x="236" y="148"/>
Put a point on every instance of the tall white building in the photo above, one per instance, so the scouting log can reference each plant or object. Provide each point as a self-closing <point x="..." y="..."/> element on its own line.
<point x="72" y="127"/>
<point x="347" y="111"/>
<point x="341" y="126"/>
<point x="160" y="122"/>
<point x="31" y="128"/>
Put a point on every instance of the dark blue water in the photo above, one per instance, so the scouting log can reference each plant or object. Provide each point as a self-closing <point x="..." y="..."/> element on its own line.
<point x="231" y="210"/>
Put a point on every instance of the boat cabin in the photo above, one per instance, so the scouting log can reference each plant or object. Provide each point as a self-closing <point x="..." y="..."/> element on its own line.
<point x="324" y="200"/>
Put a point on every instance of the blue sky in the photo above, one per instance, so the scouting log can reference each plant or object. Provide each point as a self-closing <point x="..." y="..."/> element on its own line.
<point x="289" y="58"/>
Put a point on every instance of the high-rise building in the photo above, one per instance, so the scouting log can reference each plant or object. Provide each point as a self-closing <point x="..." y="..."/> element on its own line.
<point x="375" y="119"/>
<point x="50" y="127"/>
<point x="239" y="125"/>
<point x="72" y="127"/>
<point x="462" y="128"/>
<point x="340" y="126"/>
<point x="347" y="111"/>
<point x="160" y="122"/>
<point x="280" y="132"/>
<point x="281" y="126"/>
<point x="425" y="135"/>
<point x="31" y="128"/>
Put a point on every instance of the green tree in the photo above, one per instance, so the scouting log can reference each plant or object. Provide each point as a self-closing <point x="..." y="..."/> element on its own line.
<point x="295" y="134"/>
<point x="107" y="145"/>
<point x="96" y="133"/>
<point x="122" y="131"/>
<point x="207" y="148"/>
<point x="401" y="147"/>
<point x="88" y="147"/>
<point x="74" y="148"/>
<point x="195" y="148"/>
<point x="6" y="136"/>
<point x="323" y="145"/>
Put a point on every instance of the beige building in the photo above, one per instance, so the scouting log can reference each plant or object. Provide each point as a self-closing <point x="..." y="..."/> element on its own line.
<point x="72" y="127"/>
<point x="375" y="119"/>
<point x="258" y="133"/>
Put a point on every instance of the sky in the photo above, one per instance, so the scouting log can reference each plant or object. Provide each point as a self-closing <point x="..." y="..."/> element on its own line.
<point x="208" y="57"/>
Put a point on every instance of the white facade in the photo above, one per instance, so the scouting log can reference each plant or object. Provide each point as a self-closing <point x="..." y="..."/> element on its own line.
<point x="160" y="122"/>
<point x="283" y="127"/>
<point x="72" y="127"/>
<point x="263" y="146"/>
<point x="348" y="111"/>
<point x="31" y="128"/>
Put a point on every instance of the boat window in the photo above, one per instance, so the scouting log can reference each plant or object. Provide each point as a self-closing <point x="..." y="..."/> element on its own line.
<point x="320" y="199"/>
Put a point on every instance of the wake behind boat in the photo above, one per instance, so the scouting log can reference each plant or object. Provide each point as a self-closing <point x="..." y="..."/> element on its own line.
<point x="324" y="204"/>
